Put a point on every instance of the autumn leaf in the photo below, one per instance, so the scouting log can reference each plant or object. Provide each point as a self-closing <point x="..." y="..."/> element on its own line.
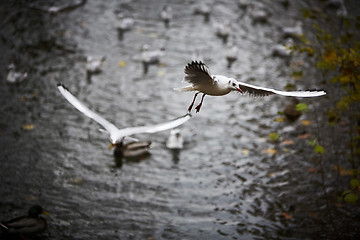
<point x="302" y="107"/>
<point x="354" y="183"/>
<point x="161" y="73"/>
<point x="306" y="122"/>
<point x="279" y="119"/>
<point x="273" y="136"/>
<point x="288" y="142"/>
<point x="286" y="215"/>
<point x="297" y="75"/>
<point x="304" y="136"/>
<point x="350" y="197"/>
<point x="28" y="127"/>
<point x="343" y="172"/>
<point x="319" y="149"/>
<point x="122" y="63"/>
<point x="313" y="170"/>
<point x="245" y="151"/>
<point x="270" y="151"/>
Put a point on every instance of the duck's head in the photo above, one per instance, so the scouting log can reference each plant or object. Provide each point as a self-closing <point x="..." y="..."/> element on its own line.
<point x="36" y="210"/>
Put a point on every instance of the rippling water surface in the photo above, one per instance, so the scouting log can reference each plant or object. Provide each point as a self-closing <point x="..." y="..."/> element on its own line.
<point x="225" y="184"/>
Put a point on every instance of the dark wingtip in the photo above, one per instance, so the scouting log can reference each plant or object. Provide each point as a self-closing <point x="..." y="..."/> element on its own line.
<point x="60" y="84"/>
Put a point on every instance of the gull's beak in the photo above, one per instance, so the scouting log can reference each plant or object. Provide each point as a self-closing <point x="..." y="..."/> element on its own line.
<point x="111" y="145"/>
<point x="239" y="89"/>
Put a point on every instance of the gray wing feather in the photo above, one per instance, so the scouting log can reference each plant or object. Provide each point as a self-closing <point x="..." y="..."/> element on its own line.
<point x="261" y="91"/>
<point x="197" y="73"/>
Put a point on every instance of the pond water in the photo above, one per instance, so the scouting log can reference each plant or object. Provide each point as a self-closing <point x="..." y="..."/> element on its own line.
<point x="229" y="182"/>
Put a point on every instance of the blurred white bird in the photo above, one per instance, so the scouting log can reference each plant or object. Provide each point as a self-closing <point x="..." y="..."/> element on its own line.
<point x="283" y="50"/>
<point x="203" y="9"/>
<point x="93" y="65"/>
<point x="124" y="24"/>
<point x="259" y="15"/>
<point x="337" y="5"/>
<point x="294" y="31"/>
<point x="15" y="77"/>
<point x="150" y="57"/>
<point x="243" y="4"/>
<point x="117" y="136"/>
<point x="175" y="140"/>
<point x="166" y="15"/>
<point x="198" y="75"/>
<point x="231" y="54"/>
<point x="61" y="8"/>
<point x="222" y="30"/>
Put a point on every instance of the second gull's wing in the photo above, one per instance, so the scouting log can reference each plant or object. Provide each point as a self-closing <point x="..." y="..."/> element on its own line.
<point x="157" y="127"/>
<point x="111" y="128"/>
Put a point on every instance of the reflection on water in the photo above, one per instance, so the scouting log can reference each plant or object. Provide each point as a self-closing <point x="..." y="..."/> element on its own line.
<point x="227" y="182"/>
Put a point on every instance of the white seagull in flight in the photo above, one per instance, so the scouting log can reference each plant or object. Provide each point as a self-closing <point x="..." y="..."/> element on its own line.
<point x="198" y="75"/>
<point x="117" y="135"/>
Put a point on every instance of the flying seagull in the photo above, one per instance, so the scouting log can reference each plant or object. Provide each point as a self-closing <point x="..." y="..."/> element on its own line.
<point x="117" y="136"/>
<point x="198" y="75"/>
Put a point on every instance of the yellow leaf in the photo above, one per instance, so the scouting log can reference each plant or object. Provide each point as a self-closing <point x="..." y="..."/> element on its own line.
<point x="122" y="63"/>
<point x="330" y="56"/>
<point x="288" y="142"/>
<point x="154" y="35"/>
<point x="279" y="119"/>
<point x="245" y="152"/>
<point x="306" y="122"/>
<point x="271" y="151"/>
<point x="303" y="136"/>
<point x="344" y="172"/>
<point x="28" y="127"/>
<point x="161" y="73"/>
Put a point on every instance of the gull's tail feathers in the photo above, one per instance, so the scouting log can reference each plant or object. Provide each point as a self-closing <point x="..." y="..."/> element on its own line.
<point x="185" y="89"/>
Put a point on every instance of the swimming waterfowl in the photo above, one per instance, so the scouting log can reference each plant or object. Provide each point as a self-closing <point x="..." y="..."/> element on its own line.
<point x="203" y="9"/>
<point x="93" y="65"/>
<point x="166" y="15"/>
<point x="282" y="50"/>
<point x="125" y="23"/>
<point x="222" y="30"/>
<point x="198" y="75"/>
<point x="175" y="140"/>
<point x="231" y="54"/>
<point x="25" y="225"/>
<point x="15" y="77"/>
<point x="132" y="149"/>
<point x="294" y="31"/>
<point x="150" y="57"/>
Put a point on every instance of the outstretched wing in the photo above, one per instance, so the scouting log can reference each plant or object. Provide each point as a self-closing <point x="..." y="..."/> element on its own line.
<point x="261" y="91"/>
<point x="111" y="128"/>
<point x="156" y="128"/>
<point x="197" y="73"/>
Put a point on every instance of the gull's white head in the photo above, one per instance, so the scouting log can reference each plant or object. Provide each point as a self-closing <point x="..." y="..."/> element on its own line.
<point x="233" y="85"/>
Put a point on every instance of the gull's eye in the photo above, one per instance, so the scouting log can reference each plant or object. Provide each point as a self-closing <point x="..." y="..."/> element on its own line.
<point x="234" y="84"/>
